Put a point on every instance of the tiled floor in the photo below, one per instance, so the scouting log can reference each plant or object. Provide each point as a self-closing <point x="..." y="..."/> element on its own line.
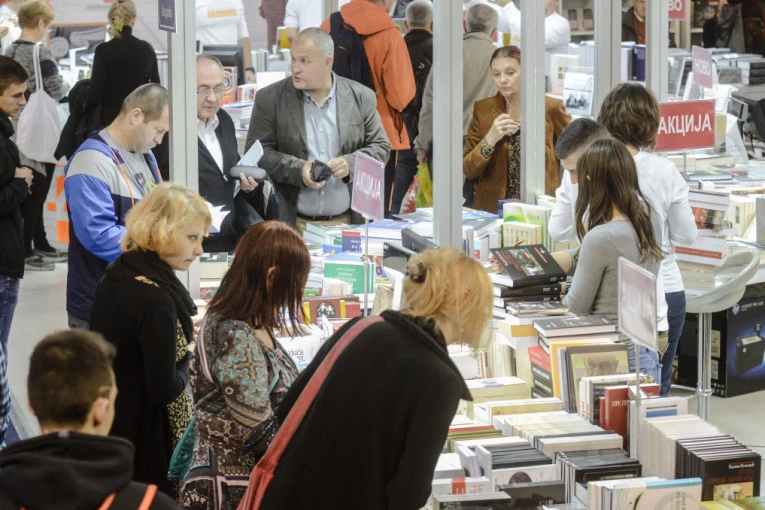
<point x="41" y="310"/>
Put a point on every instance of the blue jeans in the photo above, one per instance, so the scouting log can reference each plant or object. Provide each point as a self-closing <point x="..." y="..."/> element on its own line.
<point x="9" y="298"/>
<point x="676" y="319"/>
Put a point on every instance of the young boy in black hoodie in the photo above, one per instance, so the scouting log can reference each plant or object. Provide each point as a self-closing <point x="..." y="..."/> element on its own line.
<point x="74" y="465"/>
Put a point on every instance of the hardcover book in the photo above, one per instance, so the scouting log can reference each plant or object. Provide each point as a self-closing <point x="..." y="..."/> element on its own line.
<point x="528" y="265"/>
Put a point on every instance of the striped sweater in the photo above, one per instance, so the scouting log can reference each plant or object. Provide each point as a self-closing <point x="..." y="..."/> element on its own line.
<point x="23" y="53"/>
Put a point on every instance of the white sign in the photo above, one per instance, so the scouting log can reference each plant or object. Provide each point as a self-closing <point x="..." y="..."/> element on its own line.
<point x="702" y="67"/>
<point x="637" y="304"/>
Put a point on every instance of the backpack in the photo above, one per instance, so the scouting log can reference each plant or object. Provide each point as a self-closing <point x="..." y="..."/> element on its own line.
<point x="350" y="56"/>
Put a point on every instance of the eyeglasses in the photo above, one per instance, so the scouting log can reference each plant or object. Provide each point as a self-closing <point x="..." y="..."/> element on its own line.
<point x="205" y="91"/>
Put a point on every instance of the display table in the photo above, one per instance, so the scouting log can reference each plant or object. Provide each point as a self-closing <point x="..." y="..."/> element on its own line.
<point x="730" y="282"/>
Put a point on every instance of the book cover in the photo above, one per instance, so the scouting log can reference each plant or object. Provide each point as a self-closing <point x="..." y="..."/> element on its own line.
<point x="535" y="494"/>
<point x="529" y="265"/>
<point x="536" y="308"/>
<point x="329" y="307"/>
<point x="531" y="290"/>
<point x="616" y="405"/>
<point x="349" y="267"/>
<point x="555" y="345"/>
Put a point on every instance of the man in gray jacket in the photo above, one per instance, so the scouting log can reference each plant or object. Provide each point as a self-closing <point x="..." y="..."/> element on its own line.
<point x="477" y="48"/>
<point x="315" y="115"/>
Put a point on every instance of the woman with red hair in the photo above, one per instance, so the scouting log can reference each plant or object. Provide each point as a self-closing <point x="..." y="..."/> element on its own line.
<point x="241" y="373"/>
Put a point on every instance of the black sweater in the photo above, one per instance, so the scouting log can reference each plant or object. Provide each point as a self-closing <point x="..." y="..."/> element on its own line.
<point x="69" y="470"/>
<point x="374" y="433"/>
<point x="140" y="320"/>
<point x="13" y="191"/>
<point x="119" y="67"/>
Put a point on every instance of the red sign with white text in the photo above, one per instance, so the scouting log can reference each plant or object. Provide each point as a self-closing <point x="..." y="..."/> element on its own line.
<point x="686" y="125"/>
<point x="368" y="187"/>
<point x="702" y="67"/>
<point x="677" y="9"/>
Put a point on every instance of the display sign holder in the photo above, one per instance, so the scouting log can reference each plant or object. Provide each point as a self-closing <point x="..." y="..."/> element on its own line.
<point x="368" y="200"/>
<point x="637" y="314"/>
<point x="167" y="15"/>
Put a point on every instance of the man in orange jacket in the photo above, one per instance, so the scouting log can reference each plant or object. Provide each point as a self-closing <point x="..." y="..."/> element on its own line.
<point x="391" y="69"/>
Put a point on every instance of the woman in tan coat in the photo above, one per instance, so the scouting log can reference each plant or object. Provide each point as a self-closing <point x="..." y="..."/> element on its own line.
<point x="493" y="149"/>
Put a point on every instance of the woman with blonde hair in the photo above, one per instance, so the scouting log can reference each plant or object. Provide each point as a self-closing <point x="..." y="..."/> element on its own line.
<point x="120" y="66"/>
<point x="145" y="311"/>
<point x="373" y="434"/>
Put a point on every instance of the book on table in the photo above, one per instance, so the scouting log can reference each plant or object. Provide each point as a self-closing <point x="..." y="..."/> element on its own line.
<point x="570" y="326"/>
<point x="527" y="265"/>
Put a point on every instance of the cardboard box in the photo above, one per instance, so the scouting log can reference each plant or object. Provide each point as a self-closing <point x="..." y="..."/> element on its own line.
<point x="738" y="350"/>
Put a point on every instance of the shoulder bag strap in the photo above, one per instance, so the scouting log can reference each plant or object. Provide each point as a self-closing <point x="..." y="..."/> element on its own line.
<point x="306" y="398"/>
<point x="38" y="69"/>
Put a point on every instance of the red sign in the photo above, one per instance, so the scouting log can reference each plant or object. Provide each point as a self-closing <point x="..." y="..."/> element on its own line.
<point x="677" y="9"/>
<point x="368" y="187"/>
<point x="702" y="67"/>
<point x="686" y="125"/>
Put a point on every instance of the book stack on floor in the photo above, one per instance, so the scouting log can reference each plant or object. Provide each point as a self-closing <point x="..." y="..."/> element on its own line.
<point x="533" y="269"/>
<point x="752" y="503"/>
<point x="699" y="260"/>
<point x="577" y="469"/>
<point x="649" y="493"/>
<point x="684" y="446"/>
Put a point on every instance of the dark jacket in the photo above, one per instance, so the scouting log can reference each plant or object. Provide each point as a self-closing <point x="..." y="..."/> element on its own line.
<point x="71" y="471"/>
<point x="217" y="187"/>
<point x="75" y="131"/>
<point x="140" y="320"/>
<point x="278" y="121"/>
<point x="374" y="433"/>
<point x="628" y="28"/>
<point x="13" y="191"/>
<point x="119" y="67"/>
<point x="420" y="46"/>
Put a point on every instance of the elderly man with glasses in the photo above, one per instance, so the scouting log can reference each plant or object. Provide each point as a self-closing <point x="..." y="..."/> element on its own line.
<point x="217" y="155"/>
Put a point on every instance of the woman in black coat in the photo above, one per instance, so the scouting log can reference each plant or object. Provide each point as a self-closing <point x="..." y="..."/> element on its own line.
<point x="145" y="311"/>
<point x="373" y="435"/>
<point x="119" y="67"/>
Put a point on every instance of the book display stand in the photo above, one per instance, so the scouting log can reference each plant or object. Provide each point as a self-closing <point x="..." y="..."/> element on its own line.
<point x="730" y="282"/>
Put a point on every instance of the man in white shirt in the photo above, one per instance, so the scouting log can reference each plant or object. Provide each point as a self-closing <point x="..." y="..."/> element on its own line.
<point x="9" y="24"/>
<point x="223" y="22"/>
<point x="217" y="155"/>
<point x="302" y="14"/>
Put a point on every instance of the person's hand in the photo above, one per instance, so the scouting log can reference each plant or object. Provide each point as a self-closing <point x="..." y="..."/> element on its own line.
<point x="307" y="181"/>
<point x="340" y="168"/>
<point x="247" y="184"/>
<point x="249" y="76"/>
<point x="191" y="346"/>
<point x="503" y="125"/>
<point x="25" y="173"/>
<point x="422" y="157"/>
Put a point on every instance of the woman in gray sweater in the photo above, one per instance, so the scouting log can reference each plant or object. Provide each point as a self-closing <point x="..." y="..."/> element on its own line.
<point x="34" y="20"/>
<point x="613" y="219"/>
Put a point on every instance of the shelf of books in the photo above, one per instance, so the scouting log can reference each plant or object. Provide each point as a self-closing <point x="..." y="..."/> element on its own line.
<point x="554" y="421"/>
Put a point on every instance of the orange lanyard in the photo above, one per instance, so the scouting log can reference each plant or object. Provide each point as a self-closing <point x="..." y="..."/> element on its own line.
<point x="127" y="181"/>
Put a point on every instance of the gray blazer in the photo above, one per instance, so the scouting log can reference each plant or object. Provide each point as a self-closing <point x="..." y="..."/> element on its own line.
<point x="278" y="122"/>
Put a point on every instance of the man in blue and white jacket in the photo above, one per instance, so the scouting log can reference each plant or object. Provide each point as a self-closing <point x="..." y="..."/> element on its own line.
<point x="109" y="173"/>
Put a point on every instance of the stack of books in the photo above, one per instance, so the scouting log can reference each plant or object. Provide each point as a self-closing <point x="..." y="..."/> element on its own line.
<point x="614" y="403"/>
<point x="579" y="468"/>
<point x="485" y="412"/>
<point x="516" y="462"/>
<point x="525" y="224"/>
<point x="698" y="261"/>
<point x="534" y="269"/>
<point x="752" y="71"/>
<point x="649" y="493"/>
<point x="592" y="388"/>
<point x="489" y="500"/>
<point x="535" y="494"/>
<point x="321" y="235"/>
<point x="500" y="388"/>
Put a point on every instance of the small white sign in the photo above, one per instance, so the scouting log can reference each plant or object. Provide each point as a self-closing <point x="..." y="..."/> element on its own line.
<point x="637" y="304"/>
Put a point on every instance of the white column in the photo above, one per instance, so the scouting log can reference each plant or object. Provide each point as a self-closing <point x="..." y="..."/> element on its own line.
<point x="533" y="100"/>
<point x="330" y="6"/>
<point x="447" y="123"/>
<point x="657" y="44"/>
<point x="181" y="49"/>
<point x="608" y="37"/>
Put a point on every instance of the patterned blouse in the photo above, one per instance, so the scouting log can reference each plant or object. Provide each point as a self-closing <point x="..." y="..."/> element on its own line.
<point x="513" y="187"/>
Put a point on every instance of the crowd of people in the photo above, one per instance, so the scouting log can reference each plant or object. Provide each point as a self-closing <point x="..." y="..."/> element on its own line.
<point x="142" y="404"/>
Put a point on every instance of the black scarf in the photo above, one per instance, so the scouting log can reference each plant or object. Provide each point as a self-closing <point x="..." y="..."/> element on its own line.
<point x="148" y="264"/>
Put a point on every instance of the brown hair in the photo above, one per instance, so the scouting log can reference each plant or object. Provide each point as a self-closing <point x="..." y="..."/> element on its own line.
<point x="631" y="114"/>
<point x="150" y="98"/>
<point x="607" y="180"/>
<point x="447" y="285"/>
<point x="158" y="222"/>
<point x="68" y="371"/>
<point x="11" y="73"/>
<point x="506" y="52"/>
<point x="246" y="292"/>
<point x="30" y="14"/>
<point x="577" y="136"/>
<point x="121" y="13"/>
